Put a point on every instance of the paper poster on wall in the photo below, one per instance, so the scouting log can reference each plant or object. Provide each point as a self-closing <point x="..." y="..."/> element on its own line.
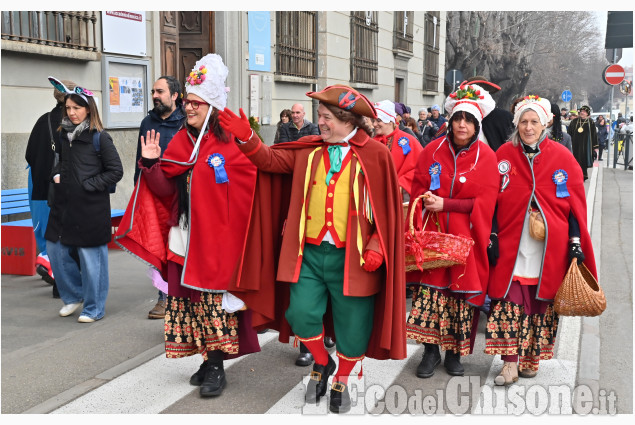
<point x="130" y="95"/>
<point x="113" y="87"/>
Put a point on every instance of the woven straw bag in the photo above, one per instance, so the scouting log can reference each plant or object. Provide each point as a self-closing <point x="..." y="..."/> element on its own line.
<point x="430" y="250"/>
<point x="579" y="294"/>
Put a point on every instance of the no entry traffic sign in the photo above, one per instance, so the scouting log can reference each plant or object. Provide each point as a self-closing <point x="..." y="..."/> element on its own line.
<point x="613" y="74"/>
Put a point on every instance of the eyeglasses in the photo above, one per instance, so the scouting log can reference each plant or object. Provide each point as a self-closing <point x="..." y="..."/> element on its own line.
<point x="193" y="103"/>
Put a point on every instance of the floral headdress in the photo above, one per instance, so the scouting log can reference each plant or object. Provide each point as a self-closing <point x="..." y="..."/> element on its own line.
<point x="207" y="80"/>
<point x="470" y="98"/>
<point x="536" y="103"/>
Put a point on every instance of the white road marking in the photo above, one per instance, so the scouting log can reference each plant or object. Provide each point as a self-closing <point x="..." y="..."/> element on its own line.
<point x="143" y="389"/>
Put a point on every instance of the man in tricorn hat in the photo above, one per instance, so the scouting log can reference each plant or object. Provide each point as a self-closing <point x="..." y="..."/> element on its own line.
<point x="325" y="233"/>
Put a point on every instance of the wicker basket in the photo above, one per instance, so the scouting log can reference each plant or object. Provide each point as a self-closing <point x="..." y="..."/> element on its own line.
<point x="431" y="250"/>
<point x="579" y="294"/>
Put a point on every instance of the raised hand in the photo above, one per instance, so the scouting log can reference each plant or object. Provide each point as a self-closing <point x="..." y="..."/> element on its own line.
<point x="150" y="148"/>
<point x="232" y="123"/>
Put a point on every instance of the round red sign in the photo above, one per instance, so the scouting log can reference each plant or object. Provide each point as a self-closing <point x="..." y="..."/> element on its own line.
<point x="613" y="74"/>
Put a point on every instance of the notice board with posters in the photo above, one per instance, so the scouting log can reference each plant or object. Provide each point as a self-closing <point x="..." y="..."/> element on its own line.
<point x="126" y="91"/>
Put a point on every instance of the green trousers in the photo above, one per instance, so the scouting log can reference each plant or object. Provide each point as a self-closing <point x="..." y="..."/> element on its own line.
<point x="321" y="277"/>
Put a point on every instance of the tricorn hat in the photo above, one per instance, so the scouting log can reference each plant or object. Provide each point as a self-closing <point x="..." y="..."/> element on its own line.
<point x="346" y="98"/>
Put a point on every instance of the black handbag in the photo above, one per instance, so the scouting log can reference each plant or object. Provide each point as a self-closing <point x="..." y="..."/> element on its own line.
<point x="50" y="199"/>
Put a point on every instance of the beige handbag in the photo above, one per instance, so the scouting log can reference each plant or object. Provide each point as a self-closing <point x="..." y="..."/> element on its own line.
<point x="536" y="226"/>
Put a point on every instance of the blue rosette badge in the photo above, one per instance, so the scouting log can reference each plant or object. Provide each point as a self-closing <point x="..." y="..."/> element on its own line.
<point x="405" y="145"/>
<point x="560" y="178"/>
<point x="217" y="162"/>
<point x="435" y="173"/>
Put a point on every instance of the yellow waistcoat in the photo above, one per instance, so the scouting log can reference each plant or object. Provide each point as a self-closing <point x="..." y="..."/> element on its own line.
<point x="328" y="206"/>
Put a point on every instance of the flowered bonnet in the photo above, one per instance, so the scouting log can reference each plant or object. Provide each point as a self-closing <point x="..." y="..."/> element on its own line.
<point x="207" y="80"/>
<point x="538" y="104"/>
<point x="470" y="98"/>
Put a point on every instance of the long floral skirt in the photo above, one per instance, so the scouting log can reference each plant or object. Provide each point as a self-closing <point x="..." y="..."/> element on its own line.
<point x="195" y="321"/>
<point x="441" y="319"/>
<point x="192" y="328"/>
<point x="520" y="325"/>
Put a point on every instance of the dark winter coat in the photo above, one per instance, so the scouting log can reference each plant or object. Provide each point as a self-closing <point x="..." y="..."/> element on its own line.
<point x="167" y="128"/>
<point x="80" y="214"/>
<point x="290" y="133"/>
<point x="39" y="154"/>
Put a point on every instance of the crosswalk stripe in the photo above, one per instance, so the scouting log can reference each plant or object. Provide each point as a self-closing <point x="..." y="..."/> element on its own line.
<point x="142" y="390"/>
<point x="376" y="372"/>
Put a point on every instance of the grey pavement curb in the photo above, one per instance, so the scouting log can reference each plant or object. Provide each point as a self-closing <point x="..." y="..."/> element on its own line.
<point x="78" y="390"/>
<point x="589" y="358"/>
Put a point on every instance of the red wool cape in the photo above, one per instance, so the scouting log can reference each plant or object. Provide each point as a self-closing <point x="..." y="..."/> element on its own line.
<point x="477" y="165"/>
<point x="271" y="257"/>
<point x="404" y="164"/>
<point x="513" y="203"/>
<point x="218" y="213"/>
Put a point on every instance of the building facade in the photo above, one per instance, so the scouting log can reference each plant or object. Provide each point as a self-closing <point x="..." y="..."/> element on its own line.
<point x="274" y="58"/>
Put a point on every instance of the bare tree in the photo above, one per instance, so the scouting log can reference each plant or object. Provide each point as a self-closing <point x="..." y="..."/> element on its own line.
<point x="528" y="52"/>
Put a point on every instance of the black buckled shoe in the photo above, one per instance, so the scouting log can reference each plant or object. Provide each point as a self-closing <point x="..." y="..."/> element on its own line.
<point x="198" y="377"/>
<point x="304" y="359"/>
<point x="340" y="398"/>
<point x="316" y="387"/>
<point x="452" y="363"/>
<point x="328" y="342"/>
<point x="214" y="381"/>
<point x="431" y="359"/>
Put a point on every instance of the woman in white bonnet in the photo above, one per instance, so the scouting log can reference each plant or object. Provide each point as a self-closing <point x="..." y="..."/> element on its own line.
<point x="539" y="227"/>
<point x="198" y="196"/>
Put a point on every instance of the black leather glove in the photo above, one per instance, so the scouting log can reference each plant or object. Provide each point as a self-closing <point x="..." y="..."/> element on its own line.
<point x="575" y="251"/>
<point x="492" y="249"/>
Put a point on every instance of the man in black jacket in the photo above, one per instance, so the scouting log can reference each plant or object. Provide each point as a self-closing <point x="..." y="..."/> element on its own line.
<point x="39" y="155"/>
<point x="298" y="126"/>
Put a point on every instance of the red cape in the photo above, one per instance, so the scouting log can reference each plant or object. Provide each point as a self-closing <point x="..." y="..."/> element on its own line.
<point x="404" y="163"/>
<point x="478" y="165"/>
<point x="270" y="258"/>
<point x="513" y="202"/>
<point x="218" y="213"/>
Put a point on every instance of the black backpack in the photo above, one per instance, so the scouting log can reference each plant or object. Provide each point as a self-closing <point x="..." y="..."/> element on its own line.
<point x="97" y="146"/>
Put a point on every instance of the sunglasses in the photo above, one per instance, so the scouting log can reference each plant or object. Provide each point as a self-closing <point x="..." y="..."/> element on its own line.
<point x="194" y="103"/>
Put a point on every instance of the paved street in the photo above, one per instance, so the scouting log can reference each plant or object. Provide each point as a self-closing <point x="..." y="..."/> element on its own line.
<point x="55" y="365"/>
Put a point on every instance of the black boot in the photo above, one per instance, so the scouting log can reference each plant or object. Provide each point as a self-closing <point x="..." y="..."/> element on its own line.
<point x="340" y="399"/>
<point x="316" y="387"/>
<point x="214" y="381"/>
<point x="452" y="363"/>
<point x="305" y="358"/>
<point x="198" y="377"/>
<point x="431" y="359"/>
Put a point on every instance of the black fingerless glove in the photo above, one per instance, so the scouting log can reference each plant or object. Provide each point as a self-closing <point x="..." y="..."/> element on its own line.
<point x="492" y="249"/>
<point x="575" y="251"/>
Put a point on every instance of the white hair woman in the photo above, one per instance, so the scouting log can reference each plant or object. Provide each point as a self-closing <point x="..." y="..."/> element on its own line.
<point x="541" y="194"/>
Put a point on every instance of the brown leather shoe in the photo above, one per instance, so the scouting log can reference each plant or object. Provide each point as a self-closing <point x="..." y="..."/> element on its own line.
<point x="508" y="375"/>
<point x="158" y="312"/>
